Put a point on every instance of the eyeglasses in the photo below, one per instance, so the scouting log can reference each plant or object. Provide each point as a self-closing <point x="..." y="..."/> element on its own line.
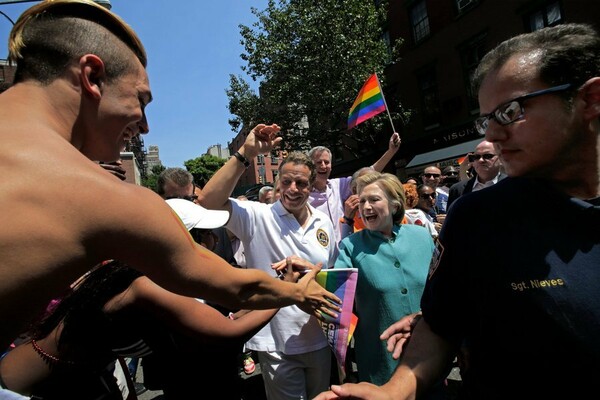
<point x="513" y="110"/>
<point x="431" y="175"/>
<point x="477" y="157"/>
<point x="452" y="173"/>
<point x="426" y="196"/>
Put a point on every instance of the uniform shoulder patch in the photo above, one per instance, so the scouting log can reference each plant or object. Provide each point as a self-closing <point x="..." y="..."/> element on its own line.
<point x="435" y="258"/>
<point x="322" y="237"/>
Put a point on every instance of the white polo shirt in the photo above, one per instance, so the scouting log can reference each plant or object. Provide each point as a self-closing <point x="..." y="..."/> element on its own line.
<point x="270" y="233"/>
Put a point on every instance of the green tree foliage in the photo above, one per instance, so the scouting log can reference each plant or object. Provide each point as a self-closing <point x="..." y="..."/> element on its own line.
<point x="312" y="58"/>
<point x="203" y="168"/>
<point x="150" y="180"/>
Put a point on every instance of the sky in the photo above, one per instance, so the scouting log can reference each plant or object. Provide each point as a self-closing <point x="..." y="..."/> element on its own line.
<point x="193" y="46"/>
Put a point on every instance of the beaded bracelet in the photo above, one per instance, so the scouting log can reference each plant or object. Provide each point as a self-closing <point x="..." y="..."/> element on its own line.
<point x="49" y="358"/>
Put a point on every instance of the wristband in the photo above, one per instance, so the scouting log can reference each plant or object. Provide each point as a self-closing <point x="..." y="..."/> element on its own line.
<point x="242" y="159"/>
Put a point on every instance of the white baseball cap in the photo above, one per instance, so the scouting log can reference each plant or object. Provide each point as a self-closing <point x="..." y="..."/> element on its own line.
<point x="194" y="216"/>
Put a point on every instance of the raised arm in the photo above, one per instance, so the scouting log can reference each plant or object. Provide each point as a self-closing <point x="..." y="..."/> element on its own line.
<point x="216" y="192"/>
<point x="393" y="146"/>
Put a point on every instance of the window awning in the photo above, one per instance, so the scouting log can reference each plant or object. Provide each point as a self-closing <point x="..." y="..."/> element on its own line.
<point x="435" y="156"/>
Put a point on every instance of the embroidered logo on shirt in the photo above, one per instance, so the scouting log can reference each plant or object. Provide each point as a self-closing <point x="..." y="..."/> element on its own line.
<point x="323" y="238"/>
<point x="435" y="258"/>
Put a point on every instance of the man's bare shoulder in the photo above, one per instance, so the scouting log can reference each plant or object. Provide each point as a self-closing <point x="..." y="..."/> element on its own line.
<point x="64" y="192"/>
<point x="113" y="205"/>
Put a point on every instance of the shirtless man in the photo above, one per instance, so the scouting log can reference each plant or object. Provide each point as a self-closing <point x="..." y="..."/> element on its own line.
<point x="80" y="92"/>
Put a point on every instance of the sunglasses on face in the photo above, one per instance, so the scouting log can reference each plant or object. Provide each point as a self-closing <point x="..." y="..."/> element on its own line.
<point x="431" y="175"/>
<point x="426" y="196"/>
<point x="513" y="110"/>
<point x="477" y="157"/>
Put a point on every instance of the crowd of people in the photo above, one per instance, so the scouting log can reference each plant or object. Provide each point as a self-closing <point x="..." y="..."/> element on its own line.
<point x="450" y="270"/>
<point x="509" y="292"/>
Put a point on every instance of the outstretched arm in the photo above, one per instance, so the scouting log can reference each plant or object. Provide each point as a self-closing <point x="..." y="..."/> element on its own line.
<point x="190" y="317"/>
<point x="398" y="334"/>
<point x="424" y="362"/>
<point x="393" y="146"/>
<point x="161" y="247"/>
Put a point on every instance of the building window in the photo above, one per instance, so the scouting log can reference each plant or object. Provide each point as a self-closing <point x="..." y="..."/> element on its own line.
<point x="548" y="15"/>
<point x="471" y="53"/>
<point x="419" y="21"/>
<point x="430" y="98"/>
<point x="465" y="5"/>
<point x="388" y="44"/>
<point x="274" y="157"/>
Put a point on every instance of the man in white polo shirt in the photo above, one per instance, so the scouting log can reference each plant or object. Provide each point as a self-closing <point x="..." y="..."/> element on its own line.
<point x="294" y="356"/>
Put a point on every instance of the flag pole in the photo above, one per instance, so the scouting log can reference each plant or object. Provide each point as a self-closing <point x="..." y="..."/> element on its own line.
<point x="384" y="102"/>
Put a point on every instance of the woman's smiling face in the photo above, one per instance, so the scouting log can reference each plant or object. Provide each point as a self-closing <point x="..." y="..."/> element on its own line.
<point x="375" y="209"/>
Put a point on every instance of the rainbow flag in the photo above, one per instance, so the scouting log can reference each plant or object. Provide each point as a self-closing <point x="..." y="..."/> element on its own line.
<point x="368" y="103"/>
<point x="342" y="282"/>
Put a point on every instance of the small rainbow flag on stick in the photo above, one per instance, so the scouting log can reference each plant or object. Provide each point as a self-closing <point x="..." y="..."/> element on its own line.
<point x="342" y="282"/>
<point x="368" y="103"/>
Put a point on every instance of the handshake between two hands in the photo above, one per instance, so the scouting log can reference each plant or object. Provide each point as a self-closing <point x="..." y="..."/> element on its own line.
<point x="297" y="269"/>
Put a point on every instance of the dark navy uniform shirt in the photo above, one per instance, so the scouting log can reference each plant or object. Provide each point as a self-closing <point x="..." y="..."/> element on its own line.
<point x="518" y="283"/>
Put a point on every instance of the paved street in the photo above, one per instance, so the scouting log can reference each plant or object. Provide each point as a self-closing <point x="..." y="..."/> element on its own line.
<point x="253" y="386"/>
<point x="254" y="389"/>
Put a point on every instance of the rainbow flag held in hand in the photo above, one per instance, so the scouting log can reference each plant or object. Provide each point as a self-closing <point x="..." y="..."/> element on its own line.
<point x="342" y="282"/>
<point x="368" y="103"/>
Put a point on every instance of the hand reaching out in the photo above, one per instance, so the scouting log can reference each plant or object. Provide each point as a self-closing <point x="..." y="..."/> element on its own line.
<point x="398" y="334"/>
<point x="318" y="302"/>
<point x="297" y="264"/>
<point x="355" y="391"/>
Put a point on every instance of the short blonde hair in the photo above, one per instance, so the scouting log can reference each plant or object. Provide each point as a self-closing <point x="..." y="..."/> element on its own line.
<point x="391" y="186"/>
